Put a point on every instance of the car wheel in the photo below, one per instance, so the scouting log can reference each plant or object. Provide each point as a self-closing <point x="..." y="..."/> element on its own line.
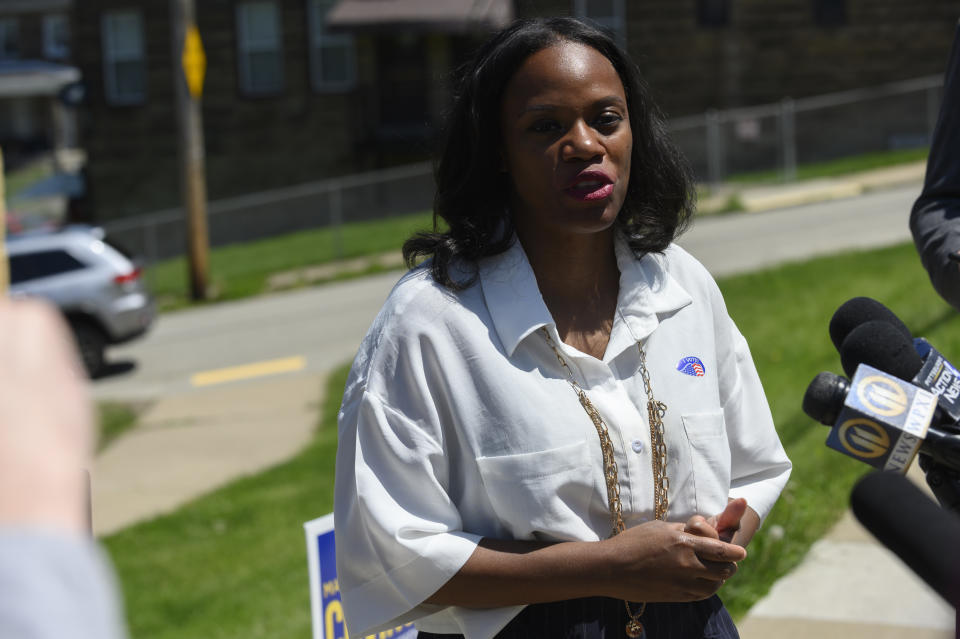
<point x="91" y="343"/>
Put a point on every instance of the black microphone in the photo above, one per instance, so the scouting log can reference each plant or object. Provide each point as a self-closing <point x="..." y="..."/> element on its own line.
<point x="824" y="397"/>
<point x="935" y="373"/>
<point x="883" y="345"/>
<point x="915" y="529"/>
<point x="880" y="420"/>
<point x="857" y="311"/>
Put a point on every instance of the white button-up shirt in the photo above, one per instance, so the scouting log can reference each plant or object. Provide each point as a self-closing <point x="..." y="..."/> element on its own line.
<point x="458" y="423"/>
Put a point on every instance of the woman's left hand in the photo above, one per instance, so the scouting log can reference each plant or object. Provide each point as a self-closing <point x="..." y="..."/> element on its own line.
<point x="736" y="524"/>
<point x="727" y="523"/>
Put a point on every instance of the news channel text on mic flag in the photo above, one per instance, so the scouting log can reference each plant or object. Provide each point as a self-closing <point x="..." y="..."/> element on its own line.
<point x="883" y="420"/>
<point x="325" y="607"/>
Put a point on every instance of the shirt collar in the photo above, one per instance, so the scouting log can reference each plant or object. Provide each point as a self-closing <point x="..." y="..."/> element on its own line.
<point x="512" y="296"/>
<point x="517" y="308"/>
<point x="647" y="292"/>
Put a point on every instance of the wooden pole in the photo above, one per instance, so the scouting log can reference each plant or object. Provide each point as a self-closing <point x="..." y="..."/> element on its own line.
<point x="4" y="262"/>
<point x="192" y="160"/>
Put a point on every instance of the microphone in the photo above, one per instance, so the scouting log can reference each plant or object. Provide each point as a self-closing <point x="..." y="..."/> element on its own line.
<point x="884" y="346"/>
<point x="880" y="420"/>
<point x="914" y="528"/>
<point x="824" y="397"/>
<point x="857" y="311"/>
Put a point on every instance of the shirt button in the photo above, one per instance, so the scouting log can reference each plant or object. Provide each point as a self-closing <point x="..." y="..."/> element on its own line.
<point x="637" y="446"/>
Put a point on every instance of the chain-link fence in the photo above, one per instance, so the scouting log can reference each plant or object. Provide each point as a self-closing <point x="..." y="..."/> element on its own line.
<point x="782" y="135"/>
<point x="718" y="144"/>
<point x="325" y="203"/>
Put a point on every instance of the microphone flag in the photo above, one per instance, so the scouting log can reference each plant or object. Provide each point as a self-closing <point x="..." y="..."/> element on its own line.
<point x="939" y="377"/>
<point x="883" y="421"/>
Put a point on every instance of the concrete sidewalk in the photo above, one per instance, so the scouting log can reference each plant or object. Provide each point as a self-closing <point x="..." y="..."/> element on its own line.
<point x="190" y="444"/>
<point x="756" y="198"/>
<point x="850" y="587"/>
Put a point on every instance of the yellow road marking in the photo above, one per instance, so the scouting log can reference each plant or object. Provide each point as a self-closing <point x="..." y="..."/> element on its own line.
<point x="247" y="371"/>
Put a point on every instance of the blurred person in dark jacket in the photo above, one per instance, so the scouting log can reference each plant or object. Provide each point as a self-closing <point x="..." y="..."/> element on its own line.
<point x="935" y="219"/>
<point x="54" y="580"/>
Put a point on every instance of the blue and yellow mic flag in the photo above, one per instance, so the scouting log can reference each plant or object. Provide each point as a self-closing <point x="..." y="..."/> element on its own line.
<point x="883" y="421"/>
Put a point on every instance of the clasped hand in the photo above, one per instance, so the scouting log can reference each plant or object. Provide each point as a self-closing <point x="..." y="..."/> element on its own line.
<point x="663" y="561"/>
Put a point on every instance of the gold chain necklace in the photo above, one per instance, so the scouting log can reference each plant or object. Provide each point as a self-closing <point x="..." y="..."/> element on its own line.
<point x="661" y="483"/>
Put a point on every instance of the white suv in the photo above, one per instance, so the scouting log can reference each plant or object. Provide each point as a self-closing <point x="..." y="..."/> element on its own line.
<point x="97" y="286"/>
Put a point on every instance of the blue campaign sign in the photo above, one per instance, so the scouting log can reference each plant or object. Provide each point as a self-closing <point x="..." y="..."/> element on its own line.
<point x="325" y="606"/>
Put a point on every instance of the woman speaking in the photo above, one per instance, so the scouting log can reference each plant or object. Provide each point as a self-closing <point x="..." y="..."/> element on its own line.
<point x="553" y="428"/>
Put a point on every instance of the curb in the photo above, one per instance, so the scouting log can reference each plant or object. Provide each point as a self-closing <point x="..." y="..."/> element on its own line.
<point x="755" y="199"/>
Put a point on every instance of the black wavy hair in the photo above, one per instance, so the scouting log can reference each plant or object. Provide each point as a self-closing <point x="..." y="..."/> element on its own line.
<point x="472" y="192"/>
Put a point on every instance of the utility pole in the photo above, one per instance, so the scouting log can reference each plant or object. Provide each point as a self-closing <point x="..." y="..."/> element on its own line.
<point x="188" y="86"/>
<point x="4" y="261"/>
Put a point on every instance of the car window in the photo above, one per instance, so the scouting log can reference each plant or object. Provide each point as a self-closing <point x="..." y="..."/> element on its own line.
<point x="32" y="266"/>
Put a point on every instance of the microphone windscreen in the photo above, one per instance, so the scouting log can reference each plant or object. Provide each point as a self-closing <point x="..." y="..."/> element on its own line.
<point x="824" y="397"/>
<point x="919" y="532"/>
<point x="883" y="346"/>
<point x="857" y="311"/>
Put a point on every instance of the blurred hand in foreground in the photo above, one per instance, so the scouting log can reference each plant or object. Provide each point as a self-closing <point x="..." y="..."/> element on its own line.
<point x="46" y="420"/>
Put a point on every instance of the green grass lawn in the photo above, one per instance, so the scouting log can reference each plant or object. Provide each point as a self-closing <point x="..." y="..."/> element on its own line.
<point x="784" y="314"/>
<point x="114" y="420"/>
<point x="232" y="564"/>
<point x="16" y="181"/>
<point x="242" y="270"/>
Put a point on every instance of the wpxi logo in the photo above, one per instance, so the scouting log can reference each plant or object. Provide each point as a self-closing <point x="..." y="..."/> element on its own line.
<point x="882" y="395"/>
<point x="863" y="438"/>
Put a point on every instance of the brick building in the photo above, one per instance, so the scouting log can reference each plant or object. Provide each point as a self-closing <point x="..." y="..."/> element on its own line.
<point x="299" y="90"/>
<point x="34" y="67"/>
<point x="700" y="54"/>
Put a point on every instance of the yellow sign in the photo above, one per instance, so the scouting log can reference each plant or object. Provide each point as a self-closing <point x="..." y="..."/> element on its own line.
<point x="864" y="438"/>
<point x="882" y="396"/>
<point x="194" y="61"/>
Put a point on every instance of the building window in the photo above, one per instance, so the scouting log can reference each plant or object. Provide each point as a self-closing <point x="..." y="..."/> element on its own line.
<point x="258" y="48"/>
<point x="56" y="36"/>
<point x="332" y="58"/>
<point x="713" y="13"/>
<point x="124" y="61"/>
<point x="830" y="13"/>
<point x="9" y="39"/>
<point x="607" y="14"/>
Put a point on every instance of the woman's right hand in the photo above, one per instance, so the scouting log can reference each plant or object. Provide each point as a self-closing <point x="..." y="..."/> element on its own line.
<point x="655" y="561"/>
<point x="660" y="561"/>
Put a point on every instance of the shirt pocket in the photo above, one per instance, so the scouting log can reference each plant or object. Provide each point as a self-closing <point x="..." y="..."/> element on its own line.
<point x="543" y="494"/>
<point x="709" y="460"/>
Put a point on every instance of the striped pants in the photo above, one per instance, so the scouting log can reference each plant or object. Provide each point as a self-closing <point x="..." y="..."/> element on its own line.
<point x="603" y="618"/>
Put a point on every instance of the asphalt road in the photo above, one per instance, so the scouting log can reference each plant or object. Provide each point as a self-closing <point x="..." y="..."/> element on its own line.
<point x="316" y="329"/>
<point x="745" y="242"/>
